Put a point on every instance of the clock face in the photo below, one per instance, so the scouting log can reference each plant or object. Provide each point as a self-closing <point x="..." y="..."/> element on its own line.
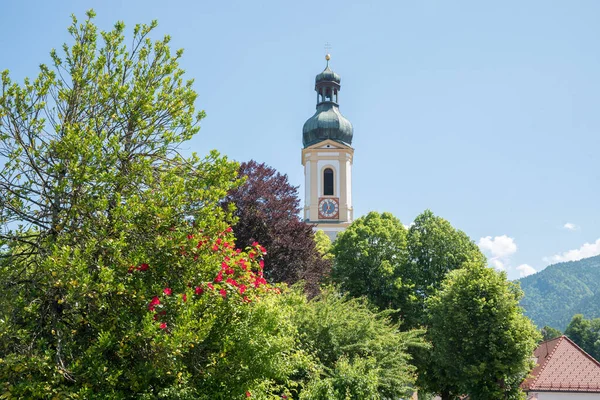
<point x="328" y="208"/>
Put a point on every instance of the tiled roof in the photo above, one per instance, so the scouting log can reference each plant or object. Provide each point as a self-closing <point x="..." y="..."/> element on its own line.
<point x="562" y="366"/>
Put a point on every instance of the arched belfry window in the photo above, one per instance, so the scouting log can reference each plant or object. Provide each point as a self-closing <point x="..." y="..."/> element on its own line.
<point x="328" y="182"/>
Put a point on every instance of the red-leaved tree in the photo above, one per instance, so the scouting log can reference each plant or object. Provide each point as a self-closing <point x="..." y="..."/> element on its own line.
<point x="268" y="208"/>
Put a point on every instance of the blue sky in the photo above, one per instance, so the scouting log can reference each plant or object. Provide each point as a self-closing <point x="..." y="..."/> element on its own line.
<point x="484" y="112"/>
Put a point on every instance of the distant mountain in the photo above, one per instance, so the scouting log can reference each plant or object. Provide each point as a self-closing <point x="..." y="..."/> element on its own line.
<point x="555" y="294"/>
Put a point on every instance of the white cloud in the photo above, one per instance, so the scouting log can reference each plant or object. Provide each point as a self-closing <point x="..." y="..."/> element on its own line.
<point x="525" y="269"/>
<point x="585" y="251"/>
<point x="570" y="226"/>
<point x="499" y="246"/>
<point x="499" y="265"/>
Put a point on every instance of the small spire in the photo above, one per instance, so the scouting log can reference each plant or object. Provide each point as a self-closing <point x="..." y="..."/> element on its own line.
<point x="327" y="55"/>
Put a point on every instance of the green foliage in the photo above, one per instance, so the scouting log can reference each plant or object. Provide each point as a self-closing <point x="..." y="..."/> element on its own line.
<point x="358" y="353"/>
<point x="555" y="294"/>
<point x="586" y="333"/>
<point x="435" y="248"/>
<point x="550" y="333"/>
<point x="482" y="344"/>
<point x="398" y="269"/>
<point x="370" y="259"/>
<point x="95" y="210"/>
<point x="323" y="244"/>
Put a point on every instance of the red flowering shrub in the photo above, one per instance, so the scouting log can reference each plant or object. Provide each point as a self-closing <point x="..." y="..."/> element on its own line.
<point x="238" y="278"/>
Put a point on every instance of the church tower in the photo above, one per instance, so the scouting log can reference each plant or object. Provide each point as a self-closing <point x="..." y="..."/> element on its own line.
<point x="327" y="159"/>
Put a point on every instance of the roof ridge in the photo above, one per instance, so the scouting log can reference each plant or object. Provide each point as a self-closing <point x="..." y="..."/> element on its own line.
<point x="550" y="354"/>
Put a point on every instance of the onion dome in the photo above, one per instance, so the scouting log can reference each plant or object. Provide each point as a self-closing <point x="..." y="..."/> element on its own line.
<point x="327" y="122"/>
<point x="328" y="75"/>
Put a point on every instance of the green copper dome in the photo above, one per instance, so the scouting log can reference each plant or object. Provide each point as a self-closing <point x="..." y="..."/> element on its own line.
<point x="328" y="75"/>
<point x="327" y="122"/>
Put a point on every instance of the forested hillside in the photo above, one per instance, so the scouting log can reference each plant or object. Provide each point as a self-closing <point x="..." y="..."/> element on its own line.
<point x="554" y="295"/>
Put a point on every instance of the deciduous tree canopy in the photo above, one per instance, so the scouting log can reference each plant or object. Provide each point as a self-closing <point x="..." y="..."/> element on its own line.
<point x="396" y="268"/>
<point x="482" y="343"/>
<point x="267" y="210"/>
<point x="586" y="333"/>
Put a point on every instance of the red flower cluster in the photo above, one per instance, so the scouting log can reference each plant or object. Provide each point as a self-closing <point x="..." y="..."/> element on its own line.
<point x="141" y="267"/>
<point x="241" y="273"/>
<point x="155" y="301"/>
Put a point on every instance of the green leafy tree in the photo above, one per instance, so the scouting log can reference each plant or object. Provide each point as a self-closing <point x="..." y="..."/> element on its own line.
<point x="586" y="333"/>
<point x="435" y="248"/>
<point x="550" y="333"/>
<point x="94" y="208"/>
<point x="394" y="268"/>
<point x="370" y="259"/>
<point x="358" y="353"/>
<point x="482" y="343"/>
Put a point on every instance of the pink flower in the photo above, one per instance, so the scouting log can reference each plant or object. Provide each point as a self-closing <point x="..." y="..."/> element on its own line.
<point x="224" y="265"/>
<point x="229" y="230"/>
<point x="254" y="244"/>
<point x="219" y="277"/>
<point x="223" y="293"/>
<point x="163" y="325"/>
<point x="251" y="254"/>
<point x="143" y="267"/>
<point x="261" y="263"/>
<point x="238" y="251"/>
<point x="199" y="290"/>
<point x="210" y="286"/>
<point x="263" y="250"/>
<point x="184" y="297"/>
<point x="215" y="248"/>
<point x="242" y="289"/>
<point x="167" y="291"/>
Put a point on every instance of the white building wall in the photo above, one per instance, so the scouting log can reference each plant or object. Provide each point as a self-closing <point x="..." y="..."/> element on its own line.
<point x="349" y="189"/>
<point x="307" y="189"/>
<point x="562" y="396"/>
